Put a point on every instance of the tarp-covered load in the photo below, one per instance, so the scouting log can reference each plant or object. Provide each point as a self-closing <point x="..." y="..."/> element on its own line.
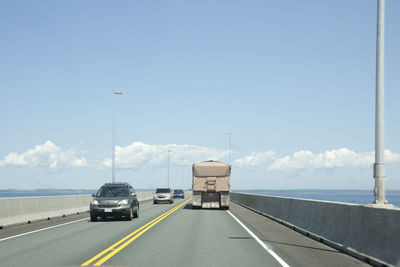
<point x="211" y="169"/>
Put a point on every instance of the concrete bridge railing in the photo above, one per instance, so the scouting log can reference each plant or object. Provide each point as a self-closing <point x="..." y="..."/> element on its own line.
<point x="368" y="232"/>
<point x="29" y="209"/>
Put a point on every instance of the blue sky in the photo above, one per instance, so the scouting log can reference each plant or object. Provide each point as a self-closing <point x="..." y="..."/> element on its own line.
<point x="293" y="81"/>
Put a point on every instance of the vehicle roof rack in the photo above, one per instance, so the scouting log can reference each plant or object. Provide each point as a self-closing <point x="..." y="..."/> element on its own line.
<point x="119" y="183"/>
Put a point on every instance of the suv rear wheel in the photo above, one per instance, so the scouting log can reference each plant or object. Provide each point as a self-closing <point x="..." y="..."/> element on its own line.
<point x="136" y="214"/>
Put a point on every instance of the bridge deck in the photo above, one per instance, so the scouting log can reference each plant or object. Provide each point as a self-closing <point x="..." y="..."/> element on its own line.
<point x="183" y="237"/>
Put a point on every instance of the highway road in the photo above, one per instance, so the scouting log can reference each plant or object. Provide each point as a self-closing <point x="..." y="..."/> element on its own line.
<point x="166" y="235"/>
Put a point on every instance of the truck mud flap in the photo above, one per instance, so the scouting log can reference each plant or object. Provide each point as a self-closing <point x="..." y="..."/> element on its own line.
<point x="211" y="200"/>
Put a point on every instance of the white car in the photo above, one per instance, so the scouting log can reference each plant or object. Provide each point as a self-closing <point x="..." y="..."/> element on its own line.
<point x="163" y="195"/>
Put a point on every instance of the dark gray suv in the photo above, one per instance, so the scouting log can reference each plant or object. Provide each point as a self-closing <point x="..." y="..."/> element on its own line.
<point x="116" y="200"/>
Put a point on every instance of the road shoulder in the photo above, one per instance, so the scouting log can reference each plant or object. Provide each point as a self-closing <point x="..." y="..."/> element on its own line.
<point x="293" y="247"/>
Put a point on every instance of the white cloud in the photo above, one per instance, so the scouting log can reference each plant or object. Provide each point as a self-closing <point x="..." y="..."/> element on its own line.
<point x="255" y="159"/>
<point x="47" y="155"/>
<point x="137" y="154"/>
<point x="305" y="159"/>
<point x="339" y="158"/>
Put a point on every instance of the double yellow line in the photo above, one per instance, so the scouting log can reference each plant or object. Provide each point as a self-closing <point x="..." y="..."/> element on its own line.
<point x="117" y="247"/>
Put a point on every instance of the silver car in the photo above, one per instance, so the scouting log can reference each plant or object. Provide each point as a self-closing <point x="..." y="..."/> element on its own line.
<point x="163" y="195"/>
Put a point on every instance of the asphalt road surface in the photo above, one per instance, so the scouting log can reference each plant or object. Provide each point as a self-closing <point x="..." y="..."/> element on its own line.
<point x="166" y="235"/>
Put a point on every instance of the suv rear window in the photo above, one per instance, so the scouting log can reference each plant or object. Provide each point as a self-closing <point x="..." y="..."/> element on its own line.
<point x="163" y="190"/>
<point x="113" y="191"/>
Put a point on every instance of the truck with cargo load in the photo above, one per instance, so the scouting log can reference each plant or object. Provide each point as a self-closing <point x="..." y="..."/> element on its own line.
<point x="211" y="184"/>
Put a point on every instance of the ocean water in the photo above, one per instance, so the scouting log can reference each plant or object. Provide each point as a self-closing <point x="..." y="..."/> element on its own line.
<point x="347" y="196"/>
<point x="10" y="193"/>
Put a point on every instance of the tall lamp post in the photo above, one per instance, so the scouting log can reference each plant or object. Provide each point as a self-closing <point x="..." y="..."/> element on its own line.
<point x="230" y="147"/>
<point x="183" y="171"/>
<point x="168" y="169"/>
<point x="183" y="174"/>
<point x="113" y="135"/>
<point x="379" y="168"/>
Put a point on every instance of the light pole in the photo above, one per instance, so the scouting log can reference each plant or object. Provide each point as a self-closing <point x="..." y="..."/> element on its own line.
<point x="230" y="147"/>
<point x="379" y="168"/>
<point x="183" y="174"/>
<point x="113" y="135"/>
<point x="168" y="169"/>
<point x="183" y="171"/>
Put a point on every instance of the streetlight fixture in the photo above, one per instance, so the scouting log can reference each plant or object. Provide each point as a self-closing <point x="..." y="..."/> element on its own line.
<point x="113" y="135"/>
<point x="379" y="168"/>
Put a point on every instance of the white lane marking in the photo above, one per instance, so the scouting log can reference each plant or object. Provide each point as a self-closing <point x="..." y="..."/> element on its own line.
<point x="282" y="262"/>
<point x="43" y="229"/>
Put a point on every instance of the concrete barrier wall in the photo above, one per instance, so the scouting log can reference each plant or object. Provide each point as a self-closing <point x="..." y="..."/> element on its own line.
<point x="143" y="196"/>
<point x="370" y="232"/>
<point x="28" y="209"/>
